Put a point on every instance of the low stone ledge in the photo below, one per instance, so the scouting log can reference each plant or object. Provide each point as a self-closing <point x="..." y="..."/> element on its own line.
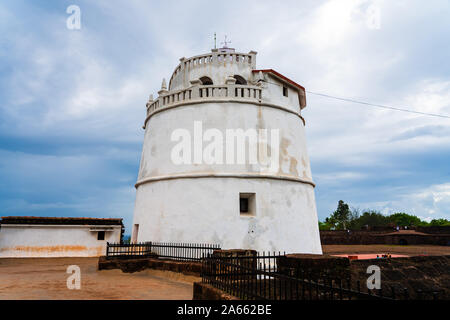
<point x="187" y="268"/>
<point x="385" y="237"/>
<point x="203" y="291"/>
<point x="140" y="264"/>
<point x="315" y="266"/>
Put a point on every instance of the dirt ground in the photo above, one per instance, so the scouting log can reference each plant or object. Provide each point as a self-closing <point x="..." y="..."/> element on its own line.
<point x="31" y="278"/>
<point x="382" y="248"/>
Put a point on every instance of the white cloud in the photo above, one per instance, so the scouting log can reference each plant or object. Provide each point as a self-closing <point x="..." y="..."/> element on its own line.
<point x="335" y="178"/>
<point x="331" y="24"/>
<point x="428" y="203"/>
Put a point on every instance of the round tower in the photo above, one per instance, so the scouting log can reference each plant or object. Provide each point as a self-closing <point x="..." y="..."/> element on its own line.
<point x="224" y="159"/>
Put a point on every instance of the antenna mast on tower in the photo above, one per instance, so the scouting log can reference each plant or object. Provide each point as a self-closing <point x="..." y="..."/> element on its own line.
<point x="225" y="42"/>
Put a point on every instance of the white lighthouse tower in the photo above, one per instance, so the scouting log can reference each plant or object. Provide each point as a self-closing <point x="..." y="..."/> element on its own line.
<point x="224" y="159"/>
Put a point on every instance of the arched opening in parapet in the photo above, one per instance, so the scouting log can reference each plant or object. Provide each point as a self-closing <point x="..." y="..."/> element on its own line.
<point x="240" y="80"/>
<point x="206" y="81"/>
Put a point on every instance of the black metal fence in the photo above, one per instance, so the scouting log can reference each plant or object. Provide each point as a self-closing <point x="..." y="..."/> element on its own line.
<point x="260" y="278"/>
<point x="128" y="250"/>
<point x="183" y="251"/>
<point x="168" y="250"/>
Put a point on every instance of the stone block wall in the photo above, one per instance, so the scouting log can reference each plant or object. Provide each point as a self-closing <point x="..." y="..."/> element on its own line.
<point x="135" y="265"/>
<point x="376" y="237"/>
<point x="425" y="273"/>
<point x="315" y="266"/>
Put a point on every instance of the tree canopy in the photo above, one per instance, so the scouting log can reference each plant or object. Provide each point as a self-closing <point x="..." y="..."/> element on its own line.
<point x="345" y="218"/>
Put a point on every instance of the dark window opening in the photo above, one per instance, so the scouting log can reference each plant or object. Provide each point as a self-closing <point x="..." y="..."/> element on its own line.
<point x="247" y="205"/>
<point x="243" y="204"/>
<point x="240" y="80"/>
<point x="206" y="81"/>
<point x="285" y="91"/>
<point x="101" y="235"/>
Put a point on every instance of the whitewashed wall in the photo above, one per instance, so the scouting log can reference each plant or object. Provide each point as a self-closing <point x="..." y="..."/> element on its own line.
<point x="156" y="155"/>
<point x="53" y="241"/>
<point x="206" y="210"/>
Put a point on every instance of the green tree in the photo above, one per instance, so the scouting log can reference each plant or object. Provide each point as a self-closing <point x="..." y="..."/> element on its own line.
<point x="404" y="220"/>
<point x="353" y="223"/>
<point x="344" y="218"/>
<point x="341" y="217"/>
<point x="324" y="226"/>
<point x="439" y="223"/>
<point x="372" y="218"/>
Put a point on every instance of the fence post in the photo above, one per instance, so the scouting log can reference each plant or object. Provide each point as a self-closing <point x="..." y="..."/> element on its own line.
<point x="331" y="289"/>
<point x="201" y="270"/>
<point x="358" y="287"/>
<point x="349" y="287"/>
<point x="270" y="282"/>
<point x="310" y="289"/>
<point x="317" y="290"/>
<point x="419" y="294"/>
<point x="303" y="285"/>
<point x="405" y="294"/>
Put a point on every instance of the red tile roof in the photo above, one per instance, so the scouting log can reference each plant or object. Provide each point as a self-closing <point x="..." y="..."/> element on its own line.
<point x="279" y="75"/>
<point x="60" y="220"/>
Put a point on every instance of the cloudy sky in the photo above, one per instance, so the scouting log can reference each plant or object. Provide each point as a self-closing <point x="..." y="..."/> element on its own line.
<point x="72" y="102"/>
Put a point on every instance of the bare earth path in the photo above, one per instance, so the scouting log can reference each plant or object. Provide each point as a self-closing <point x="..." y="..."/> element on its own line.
<point x="46" y="279"/>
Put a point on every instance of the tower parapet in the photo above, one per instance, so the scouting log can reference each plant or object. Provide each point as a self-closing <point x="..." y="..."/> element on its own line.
<point x="227" y="77"/>
<point x="212" y="65"/>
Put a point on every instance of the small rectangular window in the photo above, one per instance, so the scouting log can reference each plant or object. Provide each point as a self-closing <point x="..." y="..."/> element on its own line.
<point x="247" y="206"/>
<point x="285" y="91"/>
<point x="243" y="204"/>
<point x="101" y="235"/>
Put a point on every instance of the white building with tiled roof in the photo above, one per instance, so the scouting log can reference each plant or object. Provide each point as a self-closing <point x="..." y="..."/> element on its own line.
<point x="37" y="237"/>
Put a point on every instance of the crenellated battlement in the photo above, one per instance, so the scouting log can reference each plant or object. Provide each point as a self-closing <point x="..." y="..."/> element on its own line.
<point x="211" y="64"/>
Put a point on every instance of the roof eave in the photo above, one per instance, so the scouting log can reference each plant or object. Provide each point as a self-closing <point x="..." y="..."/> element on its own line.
<point x="300" y="89"/>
